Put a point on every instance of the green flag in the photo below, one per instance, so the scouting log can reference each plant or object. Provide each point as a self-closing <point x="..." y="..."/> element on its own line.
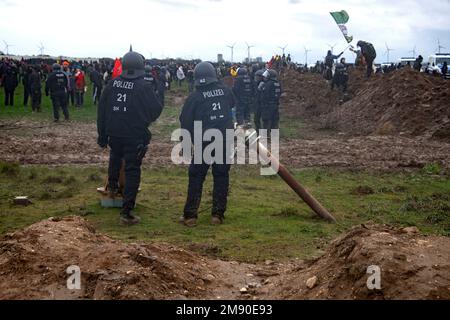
<point x="341" y="18"/>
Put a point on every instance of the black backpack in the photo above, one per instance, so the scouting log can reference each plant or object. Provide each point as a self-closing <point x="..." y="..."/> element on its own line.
<point x="370" y="51"/>
<point x="329" y="61"/>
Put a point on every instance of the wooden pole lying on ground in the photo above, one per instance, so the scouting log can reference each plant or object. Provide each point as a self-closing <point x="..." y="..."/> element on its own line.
<point x="290" y="180"/>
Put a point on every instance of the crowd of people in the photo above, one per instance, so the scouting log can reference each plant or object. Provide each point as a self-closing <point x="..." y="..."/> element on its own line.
<point x="69" y="79"/>
<point x="162" y="75"/>
<point x="336" y="72"/>
<point x="35" y="78"/>
<point x="130" y="101"/>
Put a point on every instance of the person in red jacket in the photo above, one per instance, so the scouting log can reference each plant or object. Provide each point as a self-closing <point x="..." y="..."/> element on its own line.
<point x="80" y="84"/>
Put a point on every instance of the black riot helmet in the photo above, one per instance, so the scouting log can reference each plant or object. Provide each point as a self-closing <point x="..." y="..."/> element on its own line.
<point x="204" y="74"/>
<point x="56" y="67"/>
<point x="132" y="65"/>
<point x="270" y="74"/>
<point x="242" y="71"/>
<point x="148" y="69"/>
<point x="273" y="74"/>
<point x="259" y="75"/>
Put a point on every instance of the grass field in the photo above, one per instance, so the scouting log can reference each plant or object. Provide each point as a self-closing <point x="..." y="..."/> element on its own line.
<point x="265" y="219"/>
<point x="163" y="127"/>
<point x="19" y="111"/>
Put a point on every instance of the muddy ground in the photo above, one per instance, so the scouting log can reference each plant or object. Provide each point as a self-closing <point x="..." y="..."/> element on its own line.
<point x="33" y="265"/>
<point x="33" y="261"/>
<point x="31" y="142"/>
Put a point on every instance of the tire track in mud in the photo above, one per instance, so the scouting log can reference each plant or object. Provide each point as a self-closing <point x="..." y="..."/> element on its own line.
<point x="32" y="142"/>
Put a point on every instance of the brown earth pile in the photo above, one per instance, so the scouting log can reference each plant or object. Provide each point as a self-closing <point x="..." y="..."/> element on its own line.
<point x="306" y="95"/>
<point x="403" y="101"/>
<point x="33" y="265"/>
<point x="412" y="267"/>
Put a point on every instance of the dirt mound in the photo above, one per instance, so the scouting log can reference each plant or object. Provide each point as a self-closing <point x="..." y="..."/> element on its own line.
<point x="412" y="267"/>
<point x="33" y="265"/>
<point x="307" y="95"/>
<point x="403" y="101"/>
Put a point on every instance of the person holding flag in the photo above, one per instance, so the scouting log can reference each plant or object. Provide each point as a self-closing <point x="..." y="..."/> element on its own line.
<point x="367" y="49"/>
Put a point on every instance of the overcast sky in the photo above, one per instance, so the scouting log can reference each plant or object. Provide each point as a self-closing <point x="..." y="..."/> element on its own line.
<point x="203" y="28"/>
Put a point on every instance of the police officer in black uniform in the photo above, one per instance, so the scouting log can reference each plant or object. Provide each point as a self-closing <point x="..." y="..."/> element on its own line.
<point x="243" y="91"/>
<point x="148" y="76"/>
<point x="35" y="89"/>
<point x="10" y="83"/>
<point x="211" y="104"/>
<point x="26" y="84"/>
<point x="127" y="107"/>
<point x="340" y="78"/>
<point x="97" y="82"/>
<point x="161" y="80"/>
<point x="56" y="85"/>
<point x="258" y="80"/>
<point x="270" y="100"/>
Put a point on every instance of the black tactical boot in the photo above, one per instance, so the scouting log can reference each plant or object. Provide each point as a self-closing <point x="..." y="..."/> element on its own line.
<point x="128" y="218"/>
<point x="188" y="222"/>
<point x="217" y="219"/>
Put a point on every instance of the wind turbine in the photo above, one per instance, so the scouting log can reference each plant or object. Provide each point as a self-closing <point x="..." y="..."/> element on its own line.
<point x="388" y="50"/>
<point x="41" y="49"/>
<point x="283" y="48"/>
<point x="306" y="56"/>
<point x="248" y="51"/>
<point x="439" y="46"/>
<point x="232" y="51"/>
<point x="413" y="51"/>
<point x="332" y="47"/>
<point x="7" y="47"/>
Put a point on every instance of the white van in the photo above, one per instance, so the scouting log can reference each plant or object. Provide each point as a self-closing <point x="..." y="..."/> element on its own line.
<point x="404" y="61"/>
<point x="438" y="60"/>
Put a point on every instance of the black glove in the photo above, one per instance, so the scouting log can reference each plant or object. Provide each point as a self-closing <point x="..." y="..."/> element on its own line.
<point x="102" y="142"/>
<point x="141" y="151"/>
